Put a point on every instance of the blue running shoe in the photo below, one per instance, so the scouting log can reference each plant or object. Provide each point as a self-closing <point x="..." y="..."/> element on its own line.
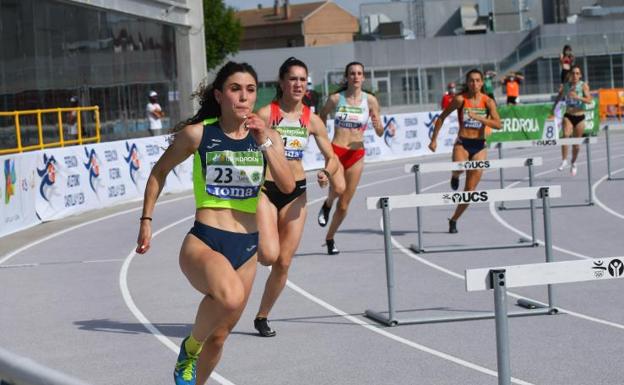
<point x="185" y="372"/>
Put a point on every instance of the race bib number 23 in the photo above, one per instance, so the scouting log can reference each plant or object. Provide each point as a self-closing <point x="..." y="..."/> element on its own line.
<point x="234" y="174"/>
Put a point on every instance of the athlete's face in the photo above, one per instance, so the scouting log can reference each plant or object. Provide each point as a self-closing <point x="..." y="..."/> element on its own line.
<point x="575" y="75"/>
<point x="238" y="96"/>
<point x="475" y="83"/>
<point x="355" y="76"/>
<point x="294" y="83"/>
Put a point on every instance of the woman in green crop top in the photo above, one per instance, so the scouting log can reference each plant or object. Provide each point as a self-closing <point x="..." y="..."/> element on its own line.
<point x="218" y="256"/>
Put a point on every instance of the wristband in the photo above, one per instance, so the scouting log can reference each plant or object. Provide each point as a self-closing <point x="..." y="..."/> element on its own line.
<point x="144" y="218"/>
<point x="324" y="171"/>
<point x="264" y="146"/>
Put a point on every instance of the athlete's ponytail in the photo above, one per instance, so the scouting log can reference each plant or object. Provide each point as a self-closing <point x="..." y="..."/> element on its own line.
<point x="208" y="105"/>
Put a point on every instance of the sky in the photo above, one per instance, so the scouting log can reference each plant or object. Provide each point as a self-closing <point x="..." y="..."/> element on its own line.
<point x="352" y="6"/>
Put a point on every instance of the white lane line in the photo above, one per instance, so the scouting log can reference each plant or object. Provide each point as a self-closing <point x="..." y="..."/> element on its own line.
<point x="17" y="265"/>
<point x="54" y="235"/>
<point x="125" y="292"/>
<point x="599" y="202"/>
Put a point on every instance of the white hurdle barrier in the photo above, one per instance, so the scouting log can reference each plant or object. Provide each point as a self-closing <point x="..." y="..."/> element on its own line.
<point x="500" y="278"/>
<point x="551" y="143"/>
<point x="18" y="370"/>
<point x="437" y="199"/>
<point x="609" y="177"/>
<point x="422" y="168"/>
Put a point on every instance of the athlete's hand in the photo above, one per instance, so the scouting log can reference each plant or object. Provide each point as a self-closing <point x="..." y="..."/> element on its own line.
<point x="474" y="116"/>
<point x="322" y="178"/>
<point x="573" y="95"/>
<point x="433" y="145"/>
<point x="145" y="235"/>
<point x="257" y="127"/>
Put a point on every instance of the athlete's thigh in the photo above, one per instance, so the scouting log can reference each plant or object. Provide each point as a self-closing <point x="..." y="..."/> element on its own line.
<point x="207" y="270"/>
<point x="567" y="127"/>
<point x="291" y="222"/>
<point x="474" y="176"/>
<point x="459" y="153"/>
<point x="353" y="176"/>
<point x="579" y="129"/>
<point x="246" y="275"/>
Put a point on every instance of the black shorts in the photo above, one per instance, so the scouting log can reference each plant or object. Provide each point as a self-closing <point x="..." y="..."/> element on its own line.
<point x="574" y="119"/>
<point x="564" y="76"/>
<point x="278" y="198"/>
<point x="512" y="100"/>
<point x="238" y="248"/>
<point x="473" y="146"/>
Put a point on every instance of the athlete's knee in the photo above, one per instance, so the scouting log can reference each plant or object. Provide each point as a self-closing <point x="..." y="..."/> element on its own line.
<point x="282" y="265"/>
<point x="268" y="254"/>
<point x="230" y="296"/>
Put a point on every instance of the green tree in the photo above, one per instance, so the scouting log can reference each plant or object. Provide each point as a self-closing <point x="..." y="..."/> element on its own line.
<point x="223" y="32"/>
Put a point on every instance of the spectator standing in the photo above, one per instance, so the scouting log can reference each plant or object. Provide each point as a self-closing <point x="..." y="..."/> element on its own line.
<point x="512" y="85"/>
<point x="488" y="84"/>
<point x="311" y="97"/>
<point x="566" y="59"/>
<point x="154" y="113"/>
<point x="72" y="119"/>
<point x="448" y="96"/>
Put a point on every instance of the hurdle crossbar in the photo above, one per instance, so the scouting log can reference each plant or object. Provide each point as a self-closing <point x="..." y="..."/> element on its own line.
<point x="499" y="279"/>
<point x="417" y="169"/>
<point x="18" y="370"/>
<point x="412" y="200"/>
<point x="609" y="177"/>
<point x="552" y="143"/>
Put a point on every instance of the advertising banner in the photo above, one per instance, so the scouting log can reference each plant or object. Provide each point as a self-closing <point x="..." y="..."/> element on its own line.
<point x="17" y="193"/>
<point x="534" y="122"/>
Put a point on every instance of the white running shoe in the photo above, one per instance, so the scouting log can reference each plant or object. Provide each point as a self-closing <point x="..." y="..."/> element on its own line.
<point x="573" y="169"/>
<point x="562" y="165"/>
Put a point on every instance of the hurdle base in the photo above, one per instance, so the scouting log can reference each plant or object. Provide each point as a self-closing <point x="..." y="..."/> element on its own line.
<point x="523" y="243"/>
<point x="531" y="305"/>
<point x="382" y="318"/>
<point x="551" y="206"/>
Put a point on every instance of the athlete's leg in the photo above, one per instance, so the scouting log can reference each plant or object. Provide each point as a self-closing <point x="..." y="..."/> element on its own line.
<point x="352" y="179"/>
<point x="459" y="154"/>
<point x="291" y="222"/>
<point x="213" y="346"/>
<point x="567" y="132"/>
<point x="578" y="131"/>
<point x="268" y="243"/>
<point x="333" y="191"/>
<point x="472" y="181"/>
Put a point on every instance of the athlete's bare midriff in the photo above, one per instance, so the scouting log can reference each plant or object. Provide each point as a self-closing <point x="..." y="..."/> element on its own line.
<point x="227" y="219"/>
<point x="352" y="139"/>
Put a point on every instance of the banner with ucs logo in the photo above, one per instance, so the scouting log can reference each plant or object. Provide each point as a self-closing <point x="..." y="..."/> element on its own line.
<point x="17" y="193"/>
<point x="405" y="135"/>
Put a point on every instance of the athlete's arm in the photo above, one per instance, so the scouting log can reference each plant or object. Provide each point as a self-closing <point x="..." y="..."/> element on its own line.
<point x="493" y="120"/>
<point x="317" y="128"/>
<point x="274" y="153"/>
<point x="455" y="104"/>
<point x="587" y="98"/>
<point x="329" y="107"/>
<point x="375" y="115"/>
<point x="557" y="99"/>
<point x="185" y="143"/>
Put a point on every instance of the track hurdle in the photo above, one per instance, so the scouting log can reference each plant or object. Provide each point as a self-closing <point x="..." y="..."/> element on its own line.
<point x="499" y="279"/>
<point x="554" y="143"/>
<point x="609" y="177"/>
<point x="422" y="168"/>
<point x="439" y="199"/>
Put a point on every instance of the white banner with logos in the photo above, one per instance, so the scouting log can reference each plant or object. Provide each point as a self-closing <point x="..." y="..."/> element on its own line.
<point x="66" y="181"/>
<point x="17" y="192"/>
<point x="405" y="136"/>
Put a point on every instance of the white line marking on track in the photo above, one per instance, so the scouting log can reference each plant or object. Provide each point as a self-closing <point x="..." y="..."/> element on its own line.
<point x="599" y="202"/>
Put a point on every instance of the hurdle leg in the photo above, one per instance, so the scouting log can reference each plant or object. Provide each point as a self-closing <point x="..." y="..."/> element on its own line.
<point x="379" y="317"/>
<point x="532" y="203"/>
<point x="500" y="174"/>
<point x="589" y="174"/>
<point x="608" y="152"/>
<point x="544" y="193"/>
<point x="502" y="328"/>
<point x="418" y="220"/>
